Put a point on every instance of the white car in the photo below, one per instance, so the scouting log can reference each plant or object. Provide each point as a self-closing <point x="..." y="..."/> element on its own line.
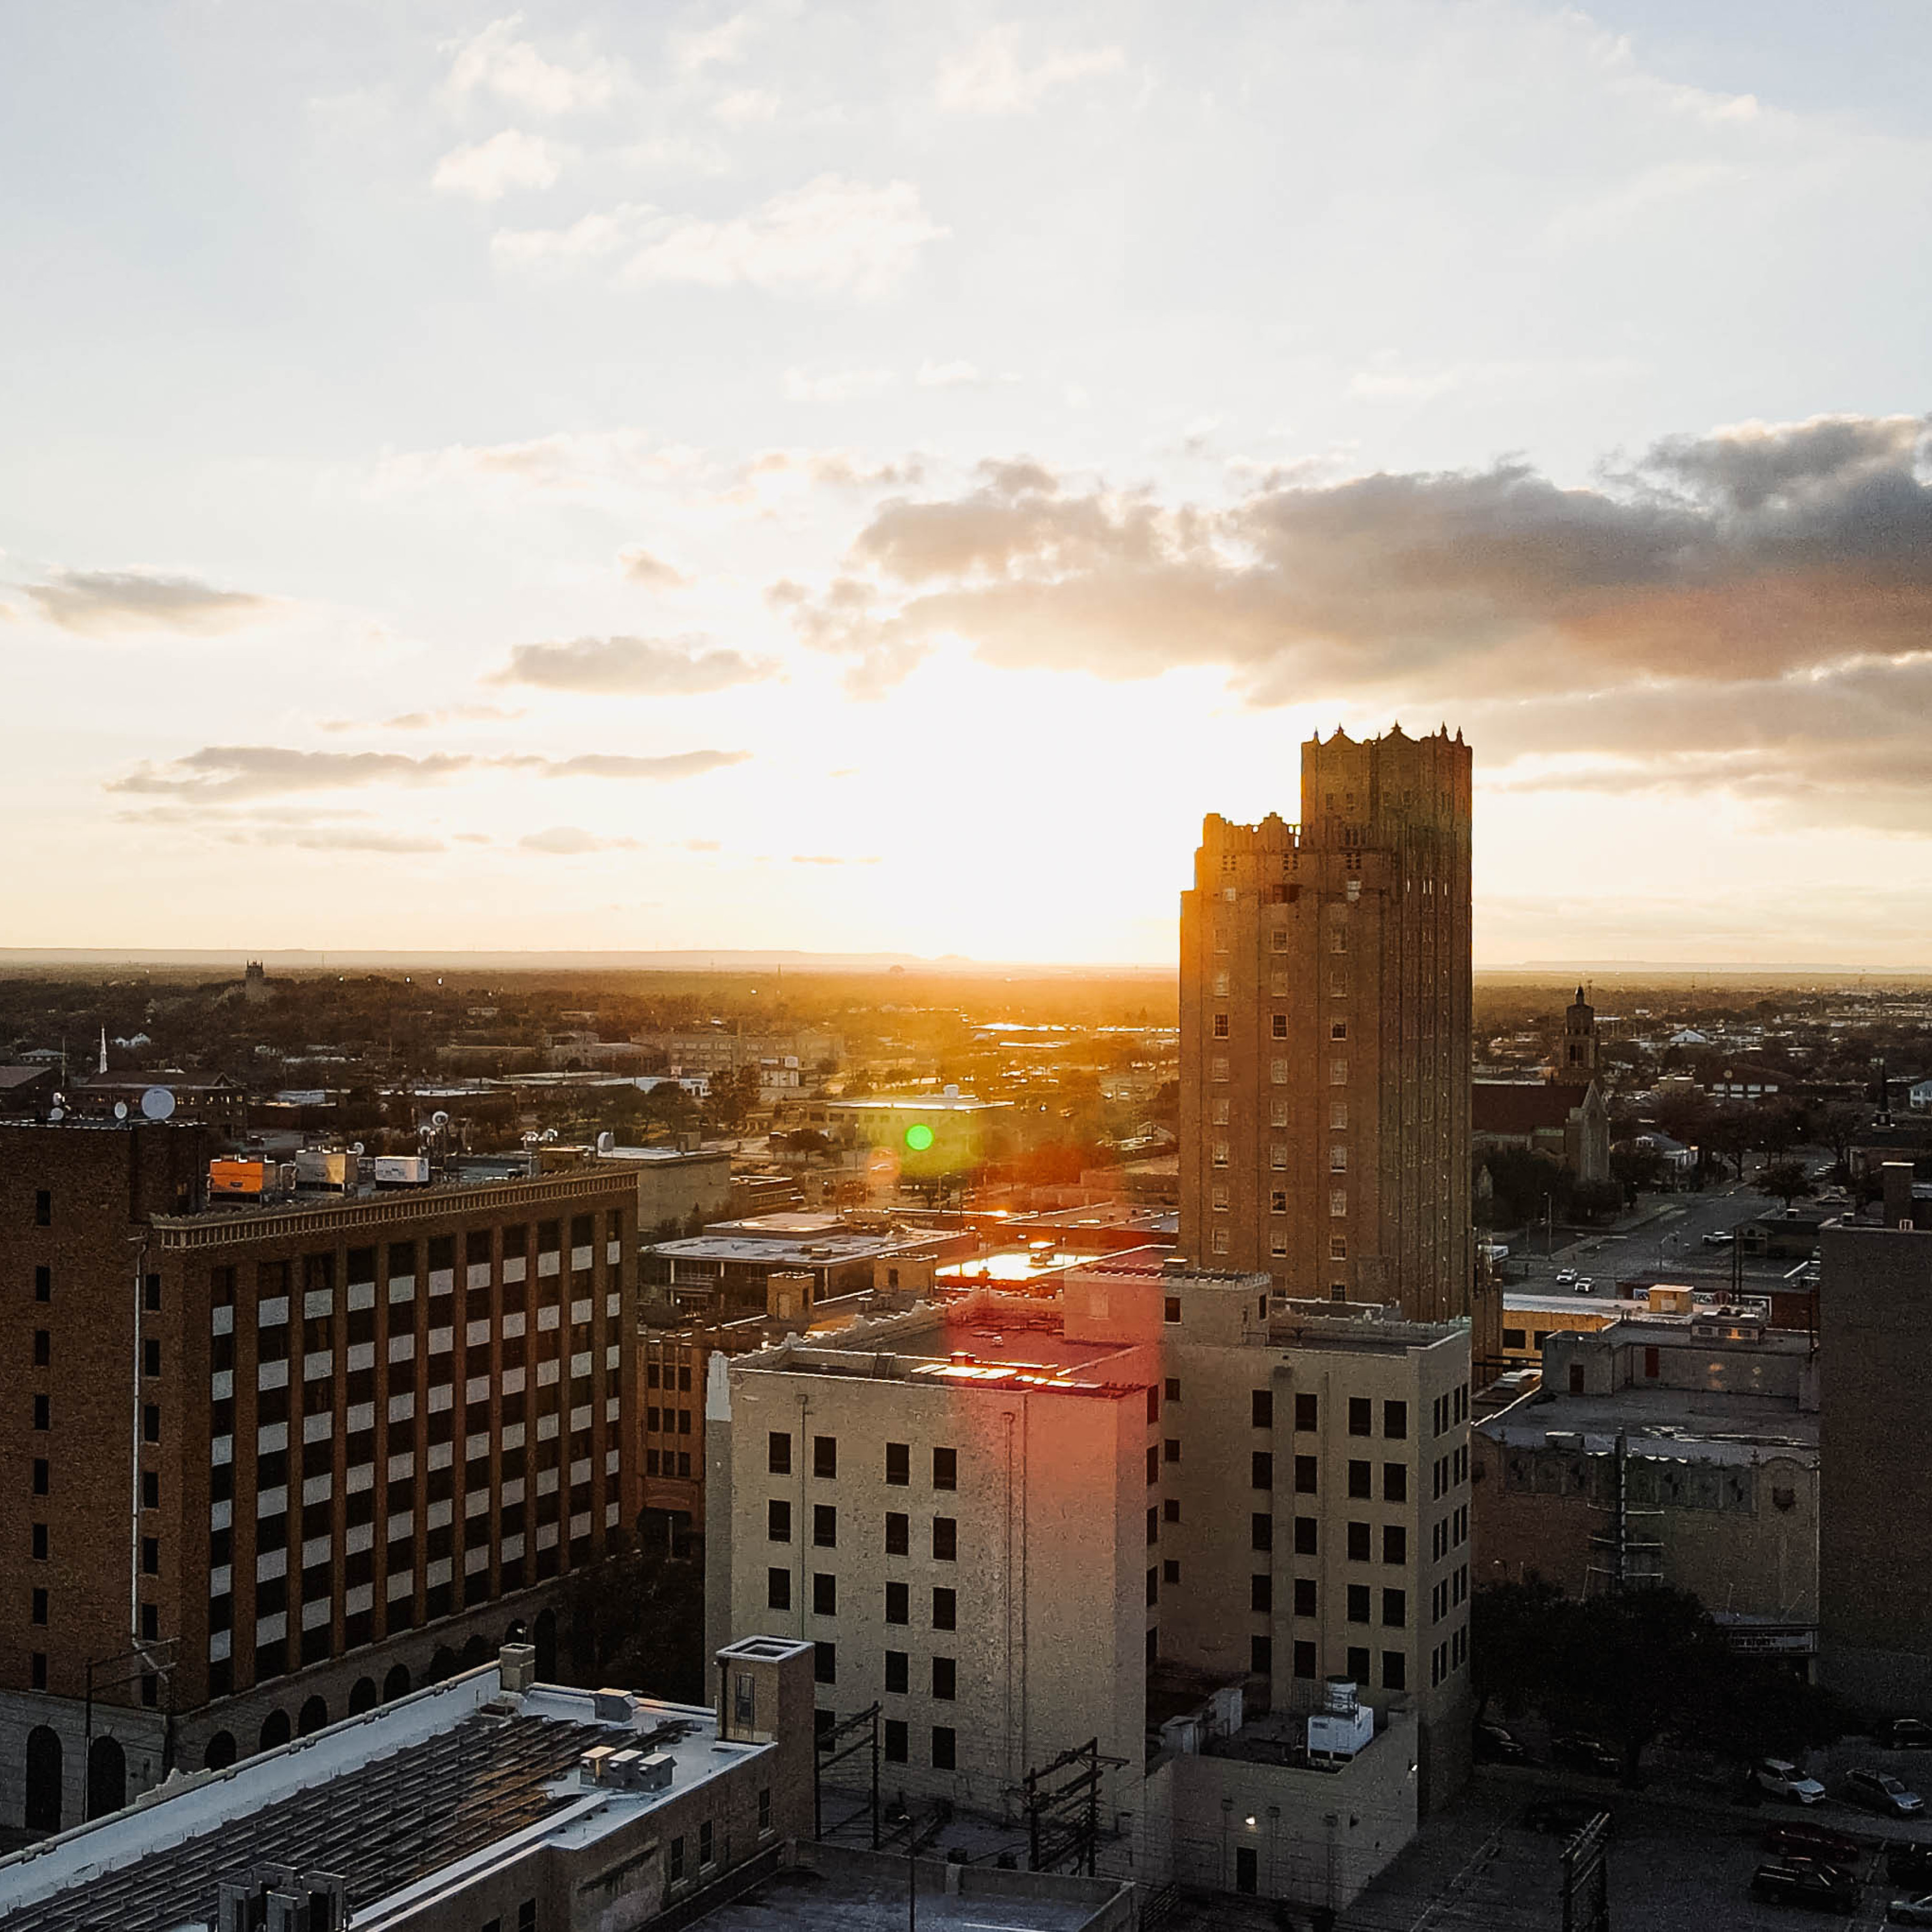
<point x="1564" y="1276"/>
<point x="1783" y="1779"/>
<point x="1583" y="1285"/>
<point x="1910" y="1911"/>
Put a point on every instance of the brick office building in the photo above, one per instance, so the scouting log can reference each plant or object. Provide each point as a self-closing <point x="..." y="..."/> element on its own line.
<point x="270" y="1465"/>
<point x="1325" y="983"/>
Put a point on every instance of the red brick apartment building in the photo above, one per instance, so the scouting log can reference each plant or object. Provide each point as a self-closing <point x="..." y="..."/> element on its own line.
<point x="263" y="1467"/>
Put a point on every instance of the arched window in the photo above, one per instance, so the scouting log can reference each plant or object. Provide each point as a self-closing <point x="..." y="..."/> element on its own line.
<point x="546" y="1643"/>
<point x="363" y="1697"/>
<point x="274" y="1730"/>
<point x="220" y="1752"/>
<point x="396" y="1684"/>
<point x="314" y="1717"/>
<point x="442" y="1665"/>
<point x="475" y="1652"/>
<point x="43" y="1780"/>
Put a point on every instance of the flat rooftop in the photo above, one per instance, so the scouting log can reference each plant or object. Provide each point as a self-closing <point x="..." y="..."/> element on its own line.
<point x="1701" y="1425"/>
<point x="816" y="1251"/>
<point x="398" y="1801"/>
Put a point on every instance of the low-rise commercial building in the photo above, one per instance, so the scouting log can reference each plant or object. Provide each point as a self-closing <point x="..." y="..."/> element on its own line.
<point x="1681" y="1450"/>
<point x="492" y="1799"/>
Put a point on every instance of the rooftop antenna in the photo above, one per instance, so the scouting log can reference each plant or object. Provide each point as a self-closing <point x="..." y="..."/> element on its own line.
<point x="104" y="1049"/>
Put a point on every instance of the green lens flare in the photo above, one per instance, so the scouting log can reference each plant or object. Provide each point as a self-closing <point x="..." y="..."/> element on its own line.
<point x="918" y="1137"/>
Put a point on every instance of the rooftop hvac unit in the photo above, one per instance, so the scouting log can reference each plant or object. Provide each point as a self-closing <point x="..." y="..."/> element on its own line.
<point x="613" y="1707"/>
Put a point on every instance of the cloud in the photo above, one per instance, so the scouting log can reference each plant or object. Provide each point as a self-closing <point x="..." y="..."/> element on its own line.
<point x="641" y="567"/>
<point x="568" y="840"/>
<point x="833" y="236"/>
<point x="841" y="385"/>
<point x="99" y="603"/>
<point x="488" y="170"/>
<point x="224" y="772"/>
<point x="828" y="859"/>
<point x="1746" y="609"/>
<point x="723" y="44"/>
<point x="649" y="666"/>
<point x="590" y="238"/>
<point x="608" y="463"/>
<point x="958" y="375"/>
<point x="322" y="838"/>
<point x="747" y="105"/>
<point x="496" y="62"/>
<point x="990" y="79"/>
<point x="424" y="721"/>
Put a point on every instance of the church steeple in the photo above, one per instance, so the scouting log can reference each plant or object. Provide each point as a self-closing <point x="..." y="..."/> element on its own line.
<point x="1576" y="1057"/>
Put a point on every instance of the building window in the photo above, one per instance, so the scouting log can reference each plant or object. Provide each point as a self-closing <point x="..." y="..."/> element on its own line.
<point x="1277" y="1113"/>
<point x="778" y="1452"/>
<point x="825" y="1456"/>
<point x="38" y="1543"/>
<point x="764" y="1814"/>
<point x="944" y="1747"/>
<point x="1171" y="1312"/>
<point x="1395" y="1421"/>
<point x="1395" y="1609"/>
<point x="1359" y="1542"/>
<point x="40" y="1608"/>
<point x="1306" y="1536"/>
<point x="946" y="1468"/>
<point x="43" y="1208"/>
<point x="42" y="1472"/>
<point x="1513" y="1338"/>
<point x="945" y="1539"/>
<point x="1338" y="1158"/>
<point x="897" y="1667"/>
<point x="1395" y="1670"/>
<point x="1220" y="1026"/>
<point x="1218" y="1114"/>
<point x="1395" y="1482"/>
<point x="1304" y="1596"/>
<point x="945" y="1609"/>
<point x="1338" y="1116"/>
<point x="1304" y="1659"/>
<point x="1260" y="1407"/>
<point x="1261" y="1657"/>
<point x="1361" y="1483"/>
<point x="1219" y="1199"/>
<point x="1220" y="1153"/>
<point x="898" y="1603"/>
<point x="1305" y="1475"/>
<point x="778" y="1589"/>
<point x="42" y="1413"/>
<point x="1170" y="1449"/>
<point x="1217" y="1067"/>
<point x="824" y="1594"/>
<point x="674" y="1869"/>
<point x="896" y="1739"/>
<point x="1307" y="1415"/>
<point x="1338" y="1205"/>
<point x="1278" y="1156"/>
<point x="44" y="1284"/>
<point x="1278" y="1075"/>
<point x="1278" y="1241"/>
<point x="1260" y="1594"/>
<point x="778" y="1522"/>
<point x="1220" y="985"/>
<point x="898" y="1533"/>
<point x="1338" y="1073"/>
<point x="898" y="1464"/>
<point x="1278" y="1201"/>
<point x="1278" y="1027"/>
<point x="1261" y="1530"/>
<point x="945" y="1678"/>
<point x="1278" y="939"/>
<point x="1261" y="1469"/>
<point x="1220" y="1243"/>
<point x="1338" y="1029"/>
<point x="825" y="1663"/>
<point x="824" y="1526"/>
<point x="1395" y="1543"/>
<point x="1358" y="1602"/>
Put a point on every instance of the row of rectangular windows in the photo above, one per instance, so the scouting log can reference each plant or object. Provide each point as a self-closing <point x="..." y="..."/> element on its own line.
<point x="825" y="1460"/>
<point x="898" y="1530"/>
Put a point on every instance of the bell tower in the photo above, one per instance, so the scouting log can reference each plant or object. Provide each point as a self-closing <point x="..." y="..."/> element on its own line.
<point x="1576" y="1058"/>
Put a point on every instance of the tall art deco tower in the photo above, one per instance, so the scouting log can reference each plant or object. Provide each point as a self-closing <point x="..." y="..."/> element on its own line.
<point x="1324" y="1037"/>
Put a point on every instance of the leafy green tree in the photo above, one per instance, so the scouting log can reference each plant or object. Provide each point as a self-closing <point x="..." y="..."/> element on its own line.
<point x="1786" y="1179"/>
<point x="1514" y="1637"/>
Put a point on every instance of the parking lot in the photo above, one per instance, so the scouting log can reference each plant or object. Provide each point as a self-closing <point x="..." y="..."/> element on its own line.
<point x="1681" y="1857"/>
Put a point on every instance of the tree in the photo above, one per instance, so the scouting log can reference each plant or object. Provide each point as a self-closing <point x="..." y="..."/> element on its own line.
<point x="1786" y="1179"/>
<point x="1632" y="1665"/>
<point x="1838" y="1125"/>
<point x="1512" y="1642"/>
<point x="638" y="1619"/>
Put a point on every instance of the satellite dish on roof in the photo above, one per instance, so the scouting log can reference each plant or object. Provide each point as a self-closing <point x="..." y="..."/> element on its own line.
<point x="156" y="1104"/>
<point x="120" y="1110"/>
<point x="439" y="1119"/>
<point x="356" y="1147"/>
<point x="56" y="1113"/>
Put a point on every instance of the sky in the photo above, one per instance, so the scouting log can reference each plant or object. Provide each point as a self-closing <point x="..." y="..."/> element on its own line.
<point x="872" y="478"/>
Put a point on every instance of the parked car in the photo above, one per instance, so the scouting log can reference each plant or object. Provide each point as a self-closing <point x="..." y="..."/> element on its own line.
<point x="1910" y="1734"/>
<point x="1564" y="1276"/>
<point x="1820" y="1887"/>
<point x="1585" y="1284"/>
<point x="1879" y="1791"/>
<point x="1585" y="1753"/>
<point x="1558" y="1817"/>
<point x="1800" y="1839"/>
<point x="1910" y="1911"/>
<point x="1496" y="1744"/>
<point x="1783" y="1779"/>
<point x="1720" y="1240"/>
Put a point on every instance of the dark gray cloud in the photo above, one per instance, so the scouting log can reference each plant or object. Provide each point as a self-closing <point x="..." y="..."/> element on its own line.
<point x="218" y="773"/>
<point x="1746" y="611"/>
<point x="1750" y="551"/>
<point x="630" y="667"/>
<point x="102" y="602"/>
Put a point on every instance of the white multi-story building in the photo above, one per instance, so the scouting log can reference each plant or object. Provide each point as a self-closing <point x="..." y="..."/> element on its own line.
<point x="1160" y="1513"/>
